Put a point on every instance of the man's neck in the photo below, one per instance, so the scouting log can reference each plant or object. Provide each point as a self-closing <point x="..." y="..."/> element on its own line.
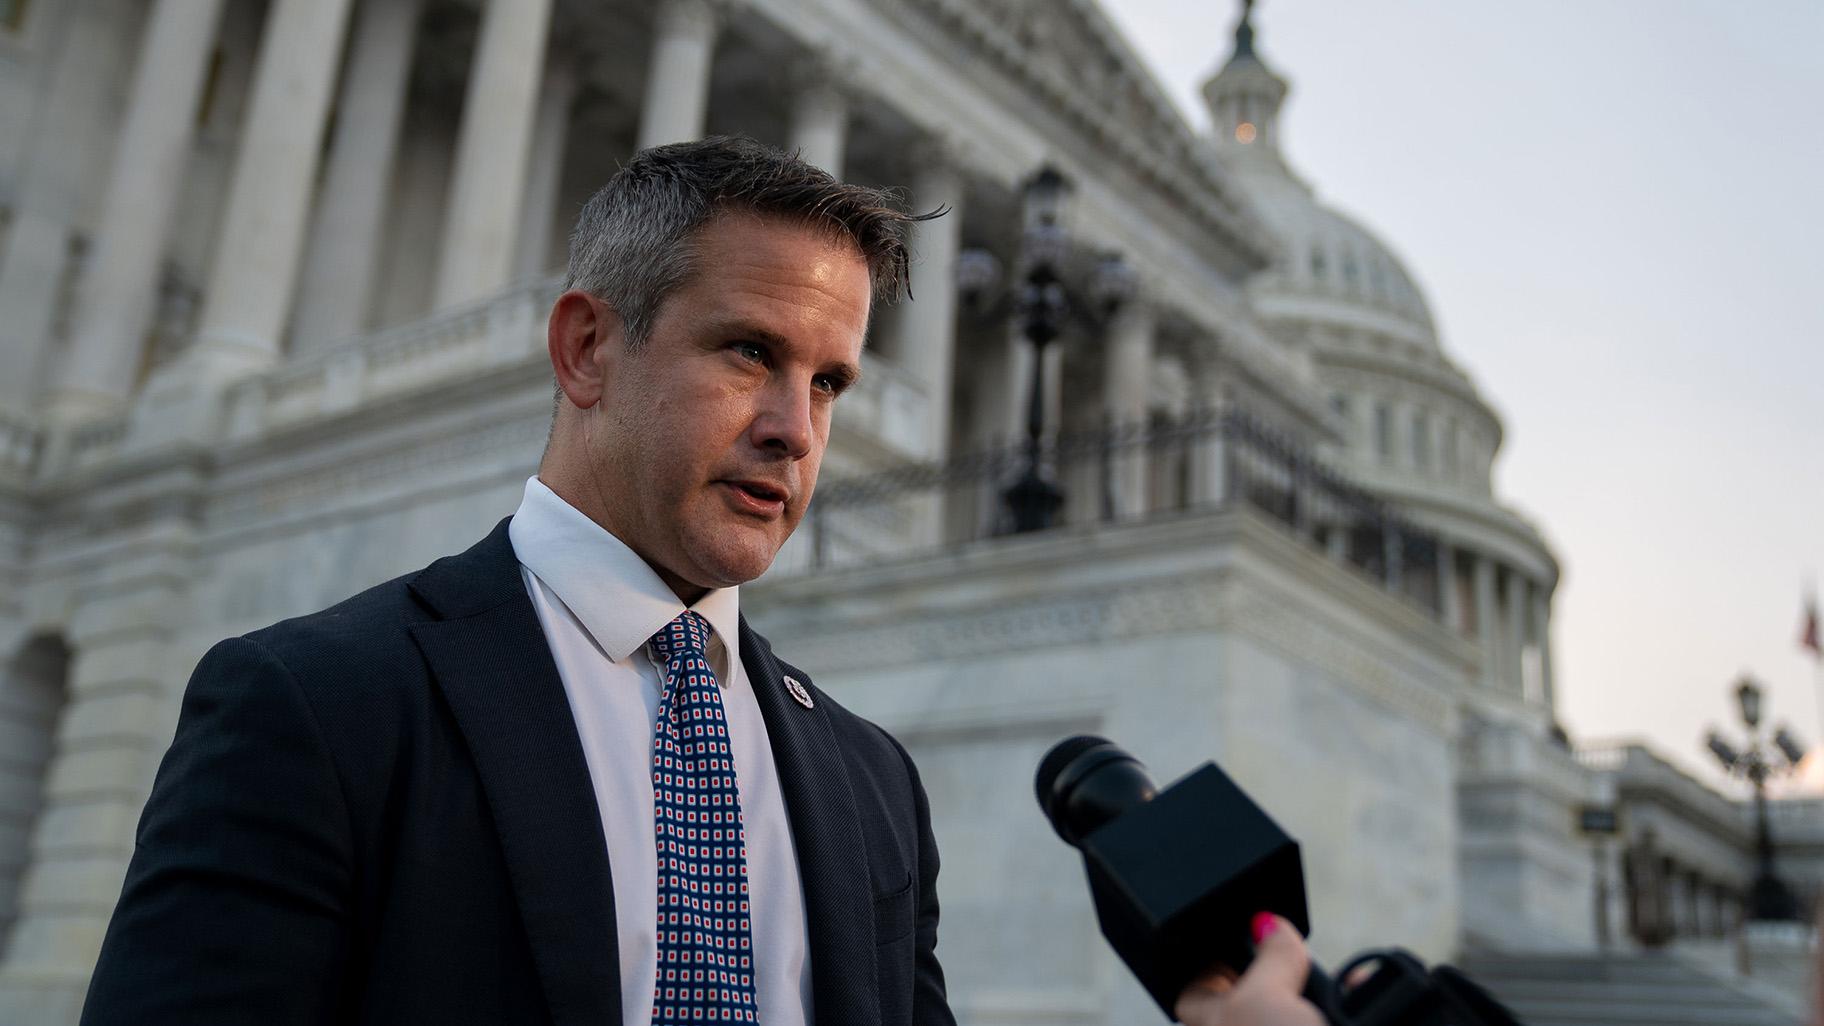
<point x="687" y="592"/>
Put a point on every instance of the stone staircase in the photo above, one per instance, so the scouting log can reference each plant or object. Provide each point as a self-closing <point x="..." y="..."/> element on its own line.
<point x="1628" y="990"/>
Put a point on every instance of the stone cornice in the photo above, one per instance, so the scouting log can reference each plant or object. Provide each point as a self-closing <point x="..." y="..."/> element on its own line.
<point x="1107" y="94"/>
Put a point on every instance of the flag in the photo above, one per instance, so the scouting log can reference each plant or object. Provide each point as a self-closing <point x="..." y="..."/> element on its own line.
<point x="1808" y="628"/>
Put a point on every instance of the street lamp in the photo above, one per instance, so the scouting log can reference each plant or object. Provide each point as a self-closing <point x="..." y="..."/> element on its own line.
<point x="1748" y="696"/>
<point x="1044" y="305"/>
<point x="1768" y="897"/>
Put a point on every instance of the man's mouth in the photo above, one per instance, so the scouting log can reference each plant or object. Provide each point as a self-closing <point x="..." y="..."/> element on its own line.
<point x="762" y="497"/>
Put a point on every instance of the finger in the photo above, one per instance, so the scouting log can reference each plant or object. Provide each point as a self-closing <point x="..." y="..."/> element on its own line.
<point x="1218" y="981"/>
<point x="1199" y="1005"/>
<point x="1359" y="975"/>
<point x="1280" y="961"/>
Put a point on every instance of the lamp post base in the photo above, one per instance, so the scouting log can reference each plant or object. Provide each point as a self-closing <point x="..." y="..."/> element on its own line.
<point x="1770" y="900"/>
<point x="1034" y="502"/>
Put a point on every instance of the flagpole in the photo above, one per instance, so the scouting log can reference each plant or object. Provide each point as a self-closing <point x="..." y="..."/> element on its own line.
<point x="1811" y="640"/>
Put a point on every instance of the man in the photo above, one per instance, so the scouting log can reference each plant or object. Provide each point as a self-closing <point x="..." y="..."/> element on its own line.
<point x="556" y="778"/>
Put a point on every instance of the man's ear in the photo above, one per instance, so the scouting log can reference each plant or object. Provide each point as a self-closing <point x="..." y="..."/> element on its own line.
<point x="583" y="336"/>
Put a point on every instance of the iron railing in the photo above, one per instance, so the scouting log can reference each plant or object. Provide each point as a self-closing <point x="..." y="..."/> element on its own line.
<point x="1207" y="460"/>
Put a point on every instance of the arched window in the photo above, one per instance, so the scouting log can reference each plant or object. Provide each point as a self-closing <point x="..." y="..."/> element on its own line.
<point x="33" y="688"/>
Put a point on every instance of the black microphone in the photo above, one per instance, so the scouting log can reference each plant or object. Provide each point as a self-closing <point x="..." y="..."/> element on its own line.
<point x="1176" y="875"/>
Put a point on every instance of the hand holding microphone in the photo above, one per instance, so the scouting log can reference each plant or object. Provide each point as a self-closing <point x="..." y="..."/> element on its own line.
<point x="1180" y="879"/>
<point x="1266" y="995"/>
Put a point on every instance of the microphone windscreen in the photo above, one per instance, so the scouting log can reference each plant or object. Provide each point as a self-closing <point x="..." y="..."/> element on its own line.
<point x="1060" y="756"/>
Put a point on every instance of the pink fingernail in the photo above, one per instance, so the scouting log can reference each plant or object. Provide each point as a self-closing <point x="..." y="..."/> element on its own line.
<point x="1264" y="924"/>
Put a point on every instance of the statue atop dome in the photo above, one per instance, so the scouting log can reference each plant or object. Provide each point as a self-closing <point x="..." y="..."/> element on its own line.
<point x="1244" y="31"/>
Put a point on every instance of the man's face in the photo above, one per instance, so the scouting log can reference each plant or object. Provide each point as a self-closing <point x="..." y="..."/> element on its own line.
<point x="706" y="445"/>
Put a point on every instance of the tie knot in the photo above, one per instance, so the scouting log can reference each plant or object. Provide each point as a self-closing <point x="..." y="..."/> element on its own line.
<point x="685" y="636"/>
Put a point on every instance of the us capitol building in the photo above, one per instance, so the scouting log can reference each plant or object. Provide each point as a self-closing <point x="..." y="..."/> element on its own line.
<point x="273" y="278"/>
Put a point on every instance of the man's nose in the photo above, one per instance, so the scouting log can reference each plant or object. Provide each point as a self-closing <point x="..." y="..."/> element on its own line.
<point x="784" y="421"/>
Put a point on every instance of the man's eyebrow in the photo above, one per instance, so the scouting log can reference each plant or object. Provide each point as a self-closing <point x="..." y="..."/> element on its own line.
<point x="846" y="375"/>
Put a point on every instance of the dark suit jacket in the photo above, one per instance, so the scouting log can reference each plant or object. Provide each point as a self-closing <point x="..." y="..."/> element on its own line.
<point x="380" y="813"/>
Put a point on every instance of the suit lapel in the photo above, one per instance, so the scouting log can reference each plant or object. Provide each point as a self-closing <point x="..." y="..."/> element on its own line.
<point x="489" y="657"/>
<point x="832" y="861"/>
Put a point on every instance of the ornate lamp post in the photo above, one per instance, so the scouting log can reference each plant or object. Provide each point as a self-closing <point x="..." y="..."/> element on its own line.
<point x="1045" y="305"/>
<point x="1768" y="897"/>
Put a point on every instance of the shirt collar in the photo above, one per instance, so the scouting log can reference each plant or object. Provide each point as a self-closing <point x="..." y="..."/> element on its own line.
<point x="613" y="593"/>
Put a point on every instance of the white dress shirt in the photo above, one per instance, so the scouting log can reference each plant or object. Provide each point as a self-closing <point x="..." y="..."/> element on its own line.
<point x="599" y="603"/>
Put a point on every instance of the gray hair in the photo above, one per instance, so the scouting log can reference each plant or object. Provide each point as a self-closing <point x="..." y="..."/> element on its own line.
<point x="633" y="243"/>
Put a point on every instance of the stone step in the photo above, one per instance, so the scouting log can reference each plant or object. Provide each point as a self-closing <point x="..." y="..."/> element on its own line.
<point x="1633" y="990"/>
<point x="1684" y="994"/>
<point x="1587" y="1013"/>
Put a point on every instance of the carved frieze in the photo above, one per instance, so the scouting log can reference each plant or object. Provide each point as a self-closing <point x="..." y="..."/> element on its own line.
<point x="1068" y="54"/>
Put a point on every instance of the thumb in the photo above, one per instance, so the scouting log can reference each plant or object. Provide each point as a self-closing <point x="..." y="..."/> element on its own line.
<point x="1280" y="960"/>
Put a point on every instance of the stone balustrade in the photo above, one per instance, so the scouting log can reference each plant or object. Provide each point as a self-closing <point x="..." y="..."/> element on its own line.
<point x="504" y="329"/>
<point x="95" y="442"/>
<point x="887" y="411"/>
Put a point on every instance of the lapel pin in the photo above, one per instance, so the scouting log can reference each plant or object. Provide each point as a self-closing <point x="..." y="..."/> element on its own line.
<point x="799" y="691"/>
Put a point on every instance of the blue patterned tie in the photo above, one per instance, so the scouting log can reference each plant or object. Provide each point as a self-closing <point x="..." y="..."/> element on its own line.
<point x="705" y="936"/>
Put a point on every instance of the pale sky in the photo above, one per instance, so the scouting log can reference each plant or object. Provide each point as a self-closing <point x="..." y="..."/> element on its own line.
<point x="1616" y="210"/>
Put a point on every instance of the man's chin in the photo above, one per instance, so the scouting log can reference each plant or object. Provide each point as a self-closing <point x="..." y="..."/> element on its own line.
<point x="737" y="563"/>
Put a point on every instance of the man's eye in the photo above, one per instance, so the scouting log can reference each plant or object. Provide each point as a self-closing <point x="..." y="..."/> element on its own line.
<point x="826" y="384"/>
<point x="751" y="351"/>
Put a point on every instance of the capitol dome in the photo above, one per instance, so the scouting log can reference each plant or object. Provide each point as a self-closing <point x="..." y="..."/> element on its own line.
<point x="1413" y="427"/>
<point x="1331" y="270"/>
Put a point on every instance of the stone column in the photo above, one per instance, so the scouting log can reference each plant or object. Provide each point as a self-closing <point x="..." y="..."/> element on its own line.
<point x="1210" y="470"/>
<point x="262" y="230"/>
<point x="820" y="114"/>
<point x="146" y="177"/>
<point x="1127" y="372"/>
<point x="492" y="148"/>
<point x="677" y="79"/>
<point x="1002" y="383"/>
<point x="545" y="176"/>
<point x="1402" y="434"/>
<point x="1487" y="633"/>
<point x="1450" y="602"/>
<point x="339" y="268"/>
<point x="1515" y="673"/>
<point x="1542" y="625"/>
<point x="924" y="326"/>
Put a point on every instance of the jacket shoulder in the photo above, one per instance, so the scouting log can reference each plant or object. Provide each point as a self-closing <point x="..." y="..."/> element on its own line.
<point x="359" y="633"/>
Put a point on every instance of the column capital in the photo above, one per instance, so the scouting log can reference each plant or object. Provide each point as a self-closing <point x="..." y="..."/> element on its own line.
<point x="824" y="68"/>
<point x="941" y="152"/>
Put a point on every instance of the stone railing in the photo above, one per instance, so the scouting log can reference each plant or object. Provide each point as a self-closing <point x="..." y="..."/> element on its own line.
<point x="503" y="329"/>
<point x="1792" y="819"/>
<point x="21" y="445"/>
<point x="1604" y="757"/>
<point x="94" y="442"/>
<point x="1640" y="774"/>
<point x="888" y="405"/>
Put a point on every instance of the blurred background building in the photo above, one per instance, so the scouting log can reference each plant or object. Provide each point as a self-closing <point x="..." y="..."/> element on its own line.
<point x="273" y="276"/>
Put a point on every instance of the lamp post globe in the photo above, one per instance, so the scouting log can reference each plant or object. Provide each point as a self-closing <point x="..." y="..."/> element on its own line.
<point x="1748" y="696"/>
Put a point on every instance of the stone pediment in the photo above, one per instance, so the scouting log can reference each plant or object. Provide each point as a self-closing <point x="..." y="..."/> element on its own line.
<point x="1069" y="53"/>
